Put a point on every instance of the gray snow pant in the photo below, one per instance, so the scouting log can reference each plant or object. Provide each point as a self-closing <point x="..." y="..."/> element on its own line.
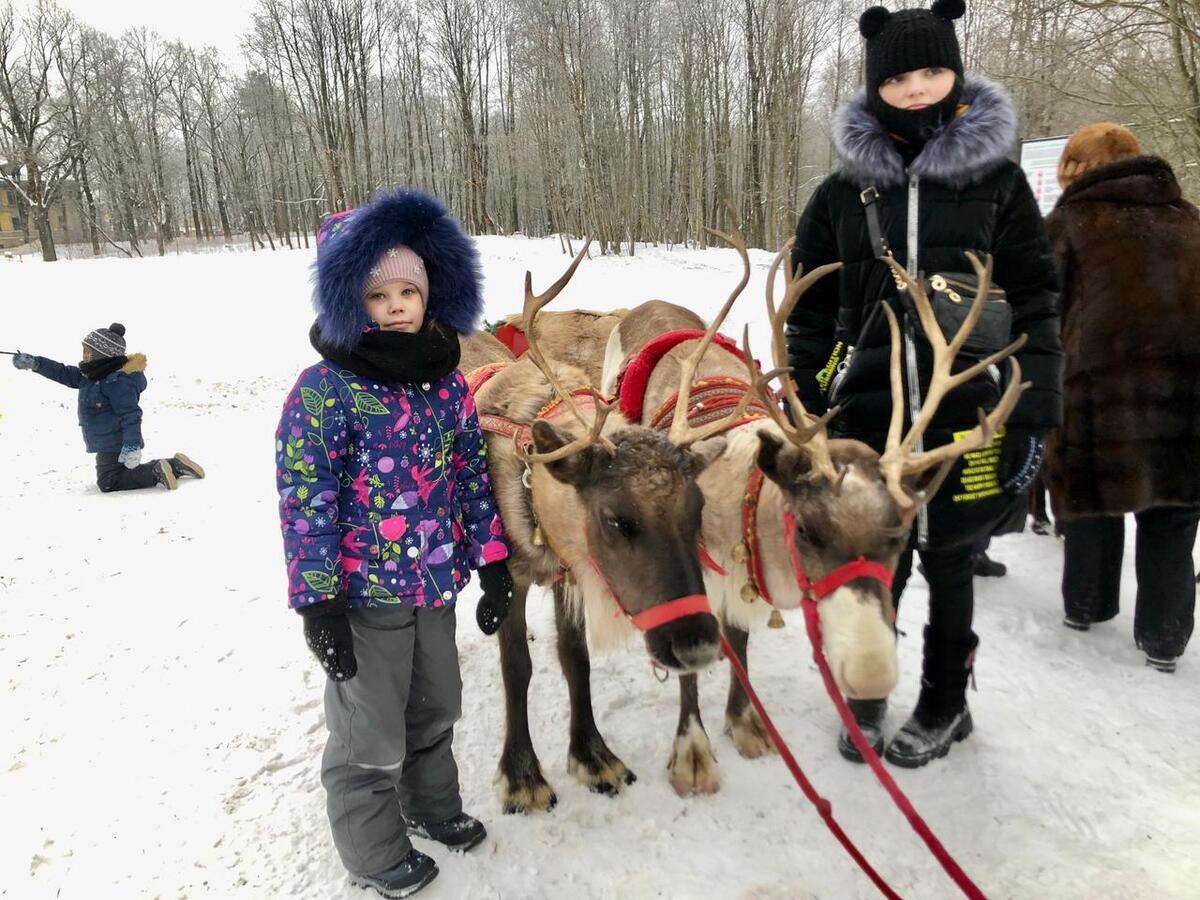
<point x="388" y="756"/>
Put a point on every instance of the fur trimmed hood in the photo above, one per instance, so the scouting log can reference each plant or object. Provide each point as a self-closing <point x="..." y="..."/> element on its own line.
<point x="136" y="362"/>
<point x="963" y="152"/>
<point x="417" y="220"/>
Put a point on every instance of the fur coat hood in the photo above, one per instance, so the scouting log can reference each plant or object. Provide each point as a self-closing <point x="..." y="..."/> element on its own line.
<point x="963" y="152"/>
<point x="353" y="243"/>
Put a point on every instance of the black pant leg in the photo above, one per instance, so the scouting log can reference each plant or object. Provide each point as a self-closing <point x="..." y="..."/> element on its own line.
<point x="113" y="476"/>
<point x="1166" y="595"/>
<point x="1091" y="582"/>
<point x="951" y="593"/>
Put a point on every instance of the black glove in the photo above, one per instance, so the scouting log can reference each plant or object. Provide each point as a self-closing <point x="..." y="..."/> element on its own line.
<point x="1021" y="455"/>
<point x="497" y="595"/>
<point x="327" y="633"/>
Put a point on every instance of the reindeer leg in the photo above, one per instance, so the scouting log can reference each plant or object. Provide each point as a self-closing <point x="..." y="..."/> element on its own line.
<point x="693" y="768"/>
<point x="742" y="723"/>
<point x="588" y="759"/>
<point x="519" y="779"/>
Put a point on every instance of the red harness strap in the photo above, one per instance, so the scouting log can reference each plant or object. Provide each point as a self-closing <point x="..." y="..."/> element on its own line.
<point x="522" y="433"/>
<point x="477" y="378"/>
<point x="823" y="587"/>
<point x="708" y="400"/>
<point x="661" y="614"/>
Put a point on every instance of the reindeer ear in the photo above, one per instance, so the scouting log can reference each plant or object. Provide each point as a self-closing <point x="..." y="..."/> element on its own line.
<point x="949" y="9"/>
<point x="871" y="22"/>
<point x="782" y="463"/>
<point x="574" y="469"/>
<point x="705" y="454"/>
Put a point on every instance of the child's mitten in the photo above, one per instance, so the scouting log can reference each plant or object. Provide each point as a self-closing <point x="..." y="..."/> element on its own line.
<point x="327" y="633"/>
<point x="497" y="595"/>
<point x="131" y="456"/>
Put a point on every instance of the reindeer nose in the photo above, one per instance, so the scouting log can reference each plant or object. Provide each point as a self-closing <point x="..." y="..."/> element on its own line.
<point x="869" y="676"/>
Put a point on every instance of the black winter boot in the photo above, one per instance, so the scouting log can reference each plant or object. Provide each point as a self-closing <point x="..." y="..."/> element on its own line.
<point x="941" y="716"/>
<point x="164" y="474"/>
<point x="403" y="879"/>
<point x="869" y="714"/>
<point x="460" y="833"/>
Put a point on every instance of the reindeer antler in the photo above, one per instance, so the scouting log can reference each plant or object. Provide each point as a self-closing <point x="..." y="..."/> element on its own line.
<point x="533" y="305"/>
<point x="682" y="434"/>
<point x="804" y="430"/>
<point x="898" y="460"/>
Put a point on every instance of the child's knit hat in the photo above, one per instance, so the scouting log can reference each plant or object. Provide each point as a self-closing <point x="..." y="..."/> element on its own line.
<point x="910" y="39"/>
<point x="107" y="342"/>
<point x="352" y="249"/>
<point x="398" y="263"/>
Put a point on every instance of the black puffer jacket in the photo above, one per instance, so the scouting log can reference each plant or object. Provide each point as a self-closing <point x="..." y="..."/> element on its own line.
<point x="971" y="197"/>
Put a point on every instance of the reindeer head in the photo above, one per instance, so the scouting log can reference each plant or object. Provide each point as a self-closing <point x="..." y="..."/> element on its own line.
<point x="640" y="506"/>
<point x="848" y="502"/>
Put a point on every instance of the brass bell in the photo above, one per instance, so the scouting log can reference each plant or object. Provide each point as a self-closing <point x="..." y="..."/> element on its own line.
<point x="776" y="620"/>
<point x="749" y="592"/>
<point x="568" y="578"/>
<point x="538" y="539"/>
<point x="741" y="553"/>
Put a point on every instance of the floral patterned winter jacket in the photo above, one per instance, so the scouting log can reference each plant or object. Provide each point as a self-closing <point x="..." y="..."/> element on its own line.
<point x="384" y="493"/>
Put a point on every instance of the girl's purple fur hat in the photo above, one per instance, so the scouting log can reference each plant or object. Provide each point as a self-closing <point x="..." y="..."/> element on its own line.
<point x="349" y="244"/>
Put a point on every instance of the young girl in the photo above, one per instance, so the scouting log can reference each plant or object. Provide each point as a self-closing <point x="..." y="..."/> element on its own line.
<point x="385" y="502"/>
<point x="110" y="385"/>
<point x="925" y="149"/>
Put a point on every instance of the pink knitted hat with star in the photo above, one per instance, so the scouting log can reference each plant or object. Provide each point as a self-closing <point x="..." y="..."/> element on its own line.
<point x="399" y="263"/>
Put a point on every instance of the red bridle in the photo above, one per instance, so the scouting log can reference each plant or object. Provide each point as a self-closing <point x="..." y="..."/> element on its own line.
<point x="658" y="615"/>
<point x="839" y="577"/>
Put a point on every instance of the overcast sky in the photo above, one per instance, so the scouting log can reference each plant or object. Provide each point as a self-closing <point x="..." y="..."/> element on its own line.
<point x="195" y="22"/>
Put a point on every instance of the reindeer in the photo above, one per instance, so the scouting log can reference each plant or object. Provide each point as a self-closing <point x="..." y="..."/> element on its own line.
<point x="608" y="514"/>
<point x="847" y="500"/>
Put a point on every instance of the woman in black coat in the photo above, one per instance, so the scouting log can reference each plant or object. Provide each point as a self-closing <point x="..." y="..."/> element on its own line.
<point x="933" y="145"/>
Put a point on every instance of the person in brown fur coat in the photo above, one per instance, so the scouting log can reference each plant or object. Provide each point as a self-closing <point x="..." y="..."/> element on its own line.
<point x="1128" y="246"/>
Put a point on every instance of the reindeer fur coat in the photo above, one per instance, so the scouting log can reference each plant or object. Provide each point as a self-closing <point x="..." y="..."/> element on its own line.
<point x="1129" y="249"/>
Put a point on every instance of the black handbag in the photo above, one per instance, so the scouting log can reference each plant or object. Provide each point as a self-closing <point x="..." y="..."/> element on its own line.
<point x="950" y="294"/>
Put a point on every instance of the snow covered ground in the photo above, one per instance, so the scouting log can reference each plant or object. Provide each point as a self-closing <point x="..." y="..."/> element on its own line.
<point x="160" y="718"/>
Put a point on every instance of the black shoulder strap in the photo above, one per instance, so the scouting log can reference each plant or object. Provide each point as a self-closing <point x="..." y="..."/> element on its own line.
<point x="870" y="202"/>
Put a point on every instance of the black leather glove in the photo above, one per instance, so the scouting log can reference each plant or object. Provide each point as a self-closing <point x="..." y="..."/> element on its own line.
<point x="327" y="633"/>
<point x="1021" y="455"/>
<point x="497" y="595"/>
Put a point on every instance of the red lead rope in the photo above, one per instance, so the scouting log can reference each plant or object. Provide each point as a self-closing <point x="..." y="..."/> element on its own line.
<point x="813" y="593"/>
<point x="823" y="806"/>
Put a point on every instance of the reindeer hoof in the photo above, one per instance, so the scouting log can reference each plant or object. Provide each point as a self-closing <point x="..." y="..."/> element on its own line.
<point x="534" y="796"/>
<point x="748" y="734"/>
<point x="601" y="772"/>
<point x="693" y="768"/>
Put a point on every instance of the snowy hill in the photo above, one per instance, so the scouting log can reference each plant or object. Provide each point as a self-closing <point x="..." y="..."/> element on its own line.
<point x="162" y="722"/>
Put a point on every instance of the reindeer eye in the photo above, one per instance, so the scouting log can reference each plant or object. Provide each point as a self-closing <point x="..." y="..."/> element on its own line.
<point x="620" y="525"/>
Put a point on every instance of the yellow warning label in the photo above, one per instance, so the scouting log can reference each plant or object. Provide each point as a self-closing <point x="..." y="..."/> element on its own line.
<point x="980" y="476"/>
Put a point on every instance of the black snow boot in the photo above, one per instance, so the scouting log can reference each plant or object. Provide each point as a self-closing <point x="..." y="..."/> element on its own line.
<point x="183" y="466"/>
<point x="1042" y="525"/>
<point x="941" y="716"/>
<point x="869" y="715"/>
<point x="403" y="879"/>
<point x="986" y="567"/>
<point x="460" y="833"/>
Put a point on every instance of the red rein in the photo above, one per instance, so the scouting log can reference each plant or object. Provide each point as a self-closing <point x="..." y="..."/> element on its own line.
<point x="812" y="593"/>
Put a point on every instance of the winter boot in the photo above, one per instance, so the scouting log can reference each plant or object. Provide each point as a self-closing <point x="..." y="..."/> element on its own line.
<point x="869" y="715"/>
<point x="1042" y="525"/>
<point x="1162" y="663"/>
<point x="941" y="716"/>
<point x="164" y="474"/>
<point x="182" y="466"/>
<point x="403" y="879"/>
<point x="459" y="833"/>
<point x="1076" y="623"/>
<point x="986" y="567"/>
